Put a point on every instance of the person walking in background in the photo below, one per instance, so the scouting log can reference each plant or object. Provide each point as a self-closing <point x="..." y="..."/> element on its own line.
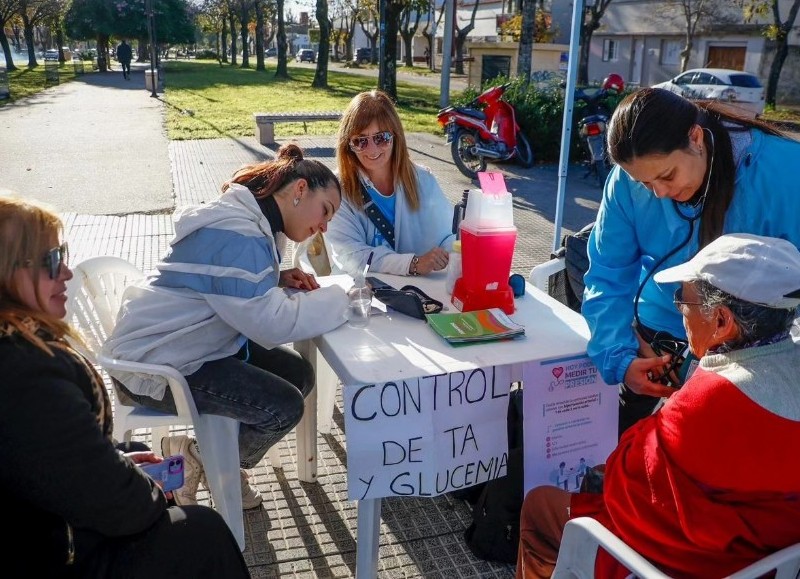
<point x="686" y="173"/>
<point x="216" y="310"/>
<point x="124" y="56"/>
<point x="392" y="209"/>
<point x="84" y="508"/>
<point x="691" y="476"/>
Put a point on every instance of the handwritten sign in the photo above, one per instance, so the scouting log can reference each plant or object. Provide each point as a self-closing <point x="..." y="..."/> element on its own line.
<point x="426" y="436"/>
<point x="570" y="421"/>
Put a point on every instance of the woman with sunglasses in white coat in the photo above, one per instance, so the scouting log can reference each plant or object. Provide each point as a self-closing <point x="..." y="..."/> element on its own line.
<point x="378" y="177"/>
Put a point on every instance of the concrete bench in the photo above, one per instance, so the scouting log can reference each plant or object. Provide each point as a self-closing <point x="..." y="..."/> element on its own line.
<point x="265" y="122"/>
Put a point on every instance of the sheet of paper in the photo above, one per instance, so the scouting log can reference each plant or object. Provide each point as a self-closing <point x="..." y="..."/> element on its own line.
<point x="427" y="436"/>
<point x="570" y="419"/>
<point x="492" y="183"/>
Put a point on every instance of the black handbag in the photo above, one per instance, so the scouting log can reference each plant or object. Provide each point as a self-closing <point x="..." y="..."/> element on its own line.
<point x="408" y="300"/>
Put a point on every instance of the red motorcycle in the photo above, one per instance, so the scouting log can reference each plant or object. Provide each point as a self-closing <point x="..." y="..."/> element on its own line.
<point x="485" y="129"/>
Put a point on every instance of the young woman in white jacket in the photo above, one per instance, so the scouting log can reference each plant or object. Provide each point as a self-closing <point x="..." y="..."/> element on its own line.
<point x="215" y="309"/>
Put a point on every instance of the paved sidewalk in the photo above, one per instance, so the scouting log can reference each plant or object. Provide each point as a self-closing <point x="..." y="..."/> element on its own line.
<point x="95" y="145"/>
<point x="97" y="151"/>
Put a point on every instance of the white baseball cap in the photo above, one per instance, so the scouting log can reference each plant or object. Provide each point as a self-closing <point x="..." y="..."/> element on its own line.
<point x="756" y="269"/>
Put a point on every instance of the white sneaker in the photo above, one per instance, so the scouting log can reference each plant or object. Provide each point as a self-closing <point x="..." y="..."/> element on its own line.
<point x="192" y="466"/>
<point x="251" y="498"/>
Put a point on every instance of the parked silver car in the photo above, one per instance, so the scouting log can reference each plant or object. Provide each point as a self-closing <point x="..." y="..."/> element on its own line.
<point x="306" y="55"/>
<point x="735" y="87"/>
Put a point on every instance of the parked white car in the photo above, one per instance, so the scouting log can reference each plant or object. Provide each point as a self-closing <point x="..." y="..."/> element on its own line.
<point x="734" y="87"/>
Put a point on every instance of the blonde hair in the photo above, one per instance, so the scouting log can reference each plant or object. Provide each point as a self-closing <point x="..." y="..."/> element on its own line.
<point x="26" y="232"/>
<point x="366" y="107"/>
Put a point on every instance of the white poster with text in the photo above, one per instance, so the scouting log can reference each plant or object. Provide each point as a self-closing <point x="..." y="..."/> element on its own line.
<point x="426" y="436"/>
<point x="570" y="421"/>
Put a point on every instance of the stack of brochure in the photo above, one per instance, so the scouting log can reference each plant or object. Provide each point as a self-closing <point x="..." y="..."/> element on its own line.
<point x="475" y="326"/>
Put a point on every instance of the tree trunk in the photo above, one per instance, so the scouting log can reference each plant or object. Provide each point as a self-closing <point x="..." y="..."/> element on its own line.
<point x="583" y="63"/>
<point x="224" y="34"/>
<point x="7" y="53"/>
<point x="281" y="71"/>
<point x="408" y="32"/>
<point x="461" y="38"/>
<point x="587" y="29"/>
<point x="781" y="52"/>
<point x="28" y="32"/>
<point x="389" y="64"/>
<point x="243" y="20"/>
<point x="259" y="36"/>
<point x="781" y="49"/>
<point x="321" y="73"/>
<point x="350" y="49"/>
<point x="60" y="40"/>
<point x="409" y="58"/>
<point x="528" y="32"/>
<point x="234" y="55"/>
<point x="686" y="53"/>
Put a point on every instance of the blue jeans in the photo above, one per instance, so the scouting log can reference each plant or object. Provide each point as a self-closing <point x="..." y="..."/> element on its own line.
<point x="264" y="391"/>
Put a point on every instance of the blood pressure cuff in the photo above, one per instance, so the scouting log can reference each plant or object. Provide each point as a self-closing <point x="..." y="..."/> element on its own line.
<point x="409" y="300"/>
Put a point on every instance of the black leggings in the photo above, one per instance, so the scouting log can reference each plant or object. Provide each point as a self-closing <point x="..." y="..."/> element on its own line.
<point x="191" y="542"/>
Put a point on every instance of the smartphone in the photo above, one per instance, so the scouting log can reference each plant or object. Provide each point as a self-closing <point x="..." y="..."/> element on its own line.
<point x="168" y="473"/>
<point x="376" y="283"/>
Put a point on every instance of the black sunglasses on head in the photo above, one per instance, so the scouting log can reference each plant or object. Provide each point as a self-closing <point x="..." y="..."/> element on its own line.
<point x="55" y="258"/>
<point x="381" y="139"/>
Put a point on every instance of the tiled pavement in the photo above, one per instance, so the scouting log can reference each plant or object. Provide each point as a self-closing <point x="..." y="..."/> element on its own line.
<point x="303" y="529"/>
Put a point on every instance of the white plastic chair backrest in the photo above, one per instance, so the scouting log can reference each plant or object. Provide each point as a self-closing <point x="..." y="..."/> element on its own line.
<point x="583" y="535"/>
<point x="540" y="274"/>
<point x="578" y="551"/>
<point x="786" y="562"/>
<point x="95" y="296"/>
<point x="311" y="255"/>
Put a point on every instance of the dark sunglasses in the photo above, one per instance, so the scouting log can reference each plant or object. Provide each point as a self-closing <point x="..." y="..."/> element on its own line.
<point x="55" y="258"/>
<point x="382" y="140"/>
<point x="677" y="299"/>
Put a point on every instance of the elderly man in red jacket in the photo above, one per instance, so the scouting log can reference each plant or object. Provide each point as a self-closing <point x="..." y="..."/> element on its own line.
<point x="693" y="488"/>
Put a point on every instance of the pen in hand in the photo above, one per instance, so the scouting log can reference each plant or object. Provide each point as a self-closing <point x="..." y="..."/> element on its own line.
<point x="369" y="262"/>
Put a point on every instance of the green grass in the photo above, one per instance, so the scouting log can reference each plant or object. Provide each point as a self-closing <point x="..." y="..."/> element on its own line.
<point x="26" y="82"/>
<point x="206" y="101"/>
<point x="782" y="114"/>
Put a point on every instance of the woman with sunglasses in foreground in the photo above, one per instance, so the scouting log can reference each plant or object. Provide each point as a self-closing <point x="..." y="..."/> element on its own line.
<point x="215" y="309"/>
<point x="70" y="498"/>
<point x="708" y="484"/>
<point x="380" y="182"/>
<point x="686" y="173"/>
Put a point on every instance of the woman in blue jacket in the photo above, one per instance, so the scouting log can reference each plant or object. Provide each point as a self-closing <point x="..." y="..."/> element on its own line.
<point x="686" y="173"/>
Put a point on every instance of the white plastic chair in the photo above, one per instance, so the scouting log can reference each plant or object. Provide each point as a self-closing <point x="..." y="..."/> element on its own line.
<point x="583" y="535"/>
<point x="540" y="274"/>
<point x="95" y="296"/>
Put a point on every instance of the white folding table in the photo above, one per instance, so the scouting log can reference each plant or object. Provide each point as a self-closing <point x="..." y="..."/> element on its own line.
<point x="398" y="347"/>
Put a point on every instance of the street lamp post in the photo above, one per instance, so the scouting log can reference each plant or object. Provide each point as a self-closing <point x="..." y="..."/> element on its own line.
<point x="151" y="30"/>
